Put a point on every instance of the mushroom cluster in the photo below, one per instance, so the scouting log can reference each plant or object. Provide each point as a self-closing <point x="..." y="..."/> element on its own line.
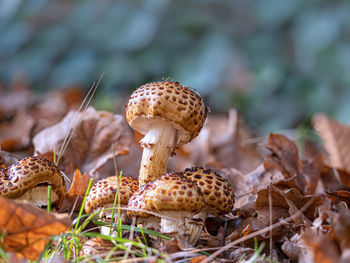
<point x="28" y="179"/>
<point x="169" y="115"/>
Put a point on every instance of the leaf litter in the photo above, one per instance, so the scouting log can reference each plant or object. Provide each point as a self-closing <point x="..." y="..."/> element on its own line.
<point x="287" y="209"/>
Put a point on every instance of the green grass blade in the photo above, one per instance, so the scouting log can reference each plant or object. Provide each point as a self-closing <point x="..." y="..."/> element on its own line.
<point x="83" y="204"/>
<point x="49" y="190"/>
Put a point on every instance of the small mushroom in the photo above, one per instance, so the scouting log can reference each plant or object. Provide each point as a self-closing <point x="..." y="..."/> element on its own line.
<point x="175" y="200"/>
<point x="217" y="192"/>
<point x="168" y="114"/>
<point x="96" y="248"/>
<point x="28" y="179"/>
<point x="102" y="196"/>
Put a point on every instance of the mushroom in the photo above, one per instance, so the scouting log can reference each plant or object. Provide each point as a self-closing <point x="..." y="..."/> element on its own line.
<point x="173" y="201"/>
<point x="168" y="114"/>
<point x="102" y="195"/>
<point x="217" y="191"/>
<point x="28" y="179"/>
<point x="96" y="248"/>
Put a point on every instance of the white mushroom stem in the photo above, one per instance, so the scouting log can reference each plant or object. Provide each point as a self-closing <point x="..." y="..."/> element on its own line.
<point x="158" y="144"/>
<point x="186" y="226"/>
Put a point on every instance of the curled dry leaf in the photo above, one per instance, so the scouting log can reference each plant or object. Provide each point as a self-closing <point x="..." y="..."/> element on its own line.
<point x="284" y="157"/>
<point x="17" y="98"/>
<point x="79" y="184"/>
<point x="321" y="249"/>
<point x="27" y="229"/>
<point x="53" y="106"/>
<point x="7" y="158"/>
<point x="223" y="139"/>
<point x="336" y="139"/>
<point x="285" y="203"/>
<point x="339" y="196"/>
<point x="16" y="134"/>
<point x="76" y="192"/>
<point x="99" y="137"/>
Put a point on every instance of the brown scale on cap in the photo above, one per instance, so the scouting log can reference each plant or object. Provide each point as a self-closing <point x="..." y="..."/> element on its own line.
<point x="168" y="114"/>
<point x="30" y="173"/>
<point x="96" y="247"/>
<point x="169" y="192"/>
<point x="217" y="191"/>
<point x="104" y="191"/>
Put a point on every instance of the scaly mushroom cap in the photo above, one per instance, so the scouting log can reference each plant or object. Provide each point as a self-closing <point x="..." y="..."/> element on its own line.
<point x="167" y="101"/>
<point x="171" y="192"/>
<point x="104" y="191"/>
<point x="96" y="246"/>
<point x="217" y="191"/>
<point x="32" y="174"/>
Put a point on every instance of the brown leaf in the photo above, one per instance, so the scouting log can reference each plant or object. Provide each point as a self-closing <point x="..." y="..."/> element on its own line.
<point x="8" y="158"/>
<point x="284" y="155"/>
<point x="16" y="135"/>
<point x="339" y="196"/>
<point x="99" y="137"/>
<point x="340" y="223"/>
<point x="17" y="98"/>
<point x="335" y="137"/>
<point x="311" y="172"/>
<point x="284" y="204"/>
<point x="79" y="184"/>
<point x="27" y="228"/>
<point x="303" y="175"/>
<point x="223" y="140"/>
<point x="54" y="105"/>
<point x="322" y="249"/>
<point x="197" y="259"/>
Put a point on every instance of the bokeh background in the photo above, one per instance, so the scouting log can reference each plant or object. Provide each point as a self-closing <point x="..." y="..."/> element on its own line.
<point x="277" y="61"/>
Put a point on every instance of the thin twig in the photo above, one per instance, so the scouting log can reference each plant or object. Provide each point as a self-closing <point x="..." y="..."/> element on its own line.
<point x="271" y="217"/>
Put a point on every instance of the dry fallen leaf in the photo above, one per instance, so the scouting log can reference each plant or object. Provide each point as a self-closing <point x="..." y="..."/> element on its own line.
<point x="53" y="106"/>
<point x="99" y="137"/>
<point x="17" y="97"/>
<point x="7" y="158"/>
<point x="16" y="135"/>
<point x="322" y="249"/>
<point x="79" y="184"/>
<point x="339" y="196"/>
<point x="76" y="192"/>
<point x="27" y="229"/>
<point x="223" y="139"/>
<point x="303" y="175"/>
<point x="336" y="140"/>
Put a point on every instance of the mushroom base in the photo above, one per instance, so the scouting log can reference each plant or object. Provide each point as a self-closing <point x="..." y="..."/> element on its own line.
<point x="106" y="215"/>
<point x="186" y="226"/>
<point x="38" y="196"/>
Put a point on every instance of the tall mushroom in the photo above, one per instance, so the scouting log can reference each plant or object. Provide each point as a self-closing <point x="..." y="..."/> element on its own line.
<point x="168" y="114"/>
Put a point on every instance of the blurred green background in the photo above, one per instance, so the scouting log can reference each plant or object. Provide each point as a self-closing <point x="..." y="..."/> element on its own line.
<point x="278" y="61"/>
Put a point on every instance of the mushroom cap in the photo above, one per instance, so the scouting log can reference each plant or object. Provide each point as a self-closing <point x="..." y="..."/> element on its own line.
<point x="167" y="101"/>
<point x="27" y="174"/>
<point x="217" y="191"/>
<point x="96" y="246"/>
<point x="104" y="191"/>
<point x="172" y="192"/>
